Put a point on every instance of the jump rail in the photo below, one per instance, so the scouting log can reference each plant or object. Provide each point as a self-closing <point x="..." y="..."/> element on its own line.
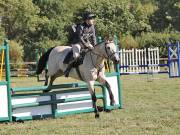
<point x="25" y="103"/>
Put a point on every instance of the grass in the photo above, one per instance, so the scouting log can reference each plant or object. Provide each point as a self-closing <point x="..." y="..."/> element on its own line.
<point x="151" y="106"/>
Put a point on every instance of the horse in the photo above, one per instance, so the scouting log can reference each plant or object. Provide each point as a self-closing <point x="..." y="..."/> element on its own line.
<point x="89" y="71"/>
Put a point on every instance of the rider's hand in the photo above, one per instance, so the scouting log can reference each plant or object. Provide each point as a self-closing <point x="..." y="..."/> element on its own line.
<point x="91" y="47"/>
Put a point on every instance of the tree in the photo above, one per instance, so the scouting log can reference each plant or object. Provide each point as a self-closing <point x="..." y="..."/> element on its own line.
<point x="19" y="17"/>
<point x="142" y="12"/>
<point x="122" y="16"/>
<point x="112" y="16"/>
<point x="167" y="17"/>
<point x="44" y="23"/>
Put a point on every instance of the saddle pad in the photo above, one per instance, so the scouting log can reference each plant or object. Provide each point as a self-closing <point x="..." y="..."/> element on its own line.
<point x="69" y="57"/>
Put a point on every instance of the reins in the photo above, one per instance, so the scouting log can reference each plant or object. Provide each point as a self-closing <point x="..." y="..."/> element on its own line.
<point x="108" y="57"/>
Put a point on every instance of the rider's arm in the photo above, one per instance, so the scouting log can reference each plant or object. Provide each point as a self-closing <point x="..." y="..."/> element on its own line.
<point x="94" y="36"/>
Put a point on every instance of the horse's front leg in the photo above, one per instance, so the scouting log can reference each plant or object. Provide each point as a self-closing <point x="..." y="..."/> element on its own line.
<point x="53" y="77"/>
<point x="103" y="81"/>
<point x="93" y="96"/>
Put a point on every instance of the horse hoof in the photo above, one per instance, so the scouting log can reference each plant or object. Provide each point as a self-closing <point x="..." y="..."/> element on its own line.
<point x="46" y="91"/>
<point x="107" y="110"/>
<point x="112" y="103"/>
<point x="97" y="116"/>
<point x="100" y="109"/>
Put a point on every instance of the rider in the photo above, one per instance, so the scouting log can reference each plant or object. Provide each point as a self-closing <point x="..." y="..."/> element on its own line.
<point x="85" y="38"/>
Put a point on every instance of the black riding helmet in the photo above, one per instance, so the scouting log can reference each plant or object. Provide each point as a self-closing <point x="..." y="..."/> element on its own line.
<point x="88" y="15"/>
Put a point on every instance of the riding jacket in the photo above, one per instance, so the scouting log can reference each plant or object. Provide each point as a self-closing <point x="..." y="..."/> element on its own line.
<point x="85" y="35"/>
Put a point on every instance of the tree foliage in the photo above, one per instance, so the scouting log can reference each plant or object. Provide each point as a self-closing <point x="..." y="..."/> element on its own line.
<point x="44" y="23"/>
<point x="167" y="17"/>
<point x="16" y="54"/>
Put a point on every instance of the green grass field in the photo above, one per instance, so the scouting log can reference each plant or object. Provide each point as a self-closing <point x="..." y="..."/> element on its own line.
<point x="151" y="106"/>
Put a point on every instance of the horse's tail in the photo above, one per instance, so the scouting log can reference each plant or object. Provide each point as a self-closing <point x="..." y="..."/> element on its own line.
<point x="43" y="61"/>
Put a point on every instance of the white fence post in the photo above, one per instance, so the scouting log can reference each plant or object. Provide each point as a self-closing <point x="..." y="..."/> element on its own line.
<point x="139" y="60"/>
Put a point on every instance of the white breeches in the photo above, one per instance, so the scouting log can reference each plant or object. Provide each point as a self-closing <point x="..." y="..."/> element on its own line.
<point x="76" y="50"/>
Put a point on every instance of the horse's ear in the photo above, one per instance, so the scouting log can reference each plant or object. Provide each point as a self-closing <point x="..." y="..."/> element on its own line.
<point x="108" y="38"/>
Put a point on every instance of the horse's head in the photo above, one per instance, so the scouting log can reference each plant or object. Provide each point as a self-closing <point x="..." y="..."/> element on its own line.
<point x="109" y="50"/>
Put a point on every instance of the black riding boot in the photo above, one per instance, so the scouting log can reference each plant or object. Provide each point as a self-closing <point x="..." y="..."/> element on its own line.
<point x="68" y="69"/>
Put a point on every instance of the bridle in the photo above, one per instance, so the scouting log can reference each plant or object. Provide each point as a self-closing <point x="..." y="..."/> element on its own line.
<point x="108" y="56"/>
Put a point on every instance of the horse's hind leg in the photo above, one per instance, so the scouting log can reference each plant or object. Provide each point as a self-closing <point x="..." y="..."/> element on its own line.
<point x="103" y="81"/>
<point x="46" y="78"/>
<point x="52" y="80"/>
<point x="94" y="99"/>
<point x="53" y="77"/>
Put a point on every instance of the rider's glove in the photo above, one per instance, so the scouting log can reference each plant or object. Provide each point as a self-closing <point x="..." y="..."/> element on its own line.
<point x="91" y="47"/>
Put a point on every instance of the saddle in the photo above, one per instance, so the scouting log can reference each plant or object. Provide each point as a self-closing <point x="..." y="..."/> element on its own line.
<point x="69" y="57"/>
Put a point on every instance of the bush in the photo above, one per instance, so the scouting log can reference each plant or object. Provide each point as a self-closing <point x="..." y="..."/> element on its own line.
<point x="150" y="40"/>
<point x="46" y="44"/>
<point x="2" y="34"/>
<point x="128" y="42"/>
<point x="157" y="40"/>
<point x="29" y="49"/>
<point x="174" y="37"/>
<point x="153" y="40"/>
<point x="16" y="54"/>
